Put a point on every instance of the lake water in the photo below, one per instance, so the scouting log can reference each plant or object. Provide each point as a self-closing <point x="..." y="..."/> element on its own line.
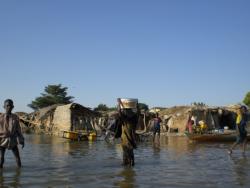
<point x="56" y="162"/>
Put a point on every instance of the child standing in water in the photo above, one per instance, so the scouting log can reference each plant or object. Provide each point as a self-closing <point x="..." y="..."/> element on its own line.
<point x="10" y="133"/>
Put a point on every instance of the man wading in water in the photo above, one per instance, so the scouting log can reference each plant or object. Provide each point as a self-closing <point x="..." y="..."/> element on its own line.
<point x="157" y="127"/>
<point x="241" y="123"/>
<point x="10" y="133"/>
<point x="128" y="119"/>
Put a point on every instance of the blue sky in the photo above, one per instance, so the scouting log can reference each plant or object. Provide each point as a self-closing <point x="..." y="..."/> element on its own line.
<point x="163" y="52"/>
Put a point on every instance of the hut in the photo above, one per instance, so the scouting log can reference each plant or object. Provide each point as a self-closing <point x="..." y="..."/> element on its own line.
<point x="73" y="117"/>
<point x="58" y="118"/>
<point x="176" y="118"/>
<point x="234" y="109"/>
<point x="40" y="120"/>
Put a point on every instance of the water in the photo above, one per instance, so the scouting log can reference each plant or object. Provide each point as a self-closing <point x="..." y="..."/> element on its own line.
<point x="56" y="162"/>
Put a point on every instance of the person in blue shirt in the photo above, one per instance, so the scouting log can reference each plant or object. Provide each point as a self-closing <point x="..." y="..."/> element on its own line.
<point x="157" y="126"/>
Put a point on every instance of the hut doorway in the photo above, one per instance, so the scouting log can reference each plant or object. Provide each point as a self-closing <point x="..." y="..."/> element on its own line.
<point x="227" y="119"/>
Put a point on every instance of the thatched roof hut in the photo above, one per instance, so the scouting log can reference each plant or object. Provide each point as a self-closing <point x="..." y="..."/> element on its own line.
<point x="176" y="118"/>
<point x="40" y="120"/>
<point x="57" y="118"/>
<point x="73" y="117"/>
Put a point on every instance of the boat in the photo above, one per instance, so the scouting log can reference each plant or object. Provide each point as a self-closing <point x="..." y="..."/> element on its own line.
<point x="79" y="135"/>
<point x="214" y="137"/>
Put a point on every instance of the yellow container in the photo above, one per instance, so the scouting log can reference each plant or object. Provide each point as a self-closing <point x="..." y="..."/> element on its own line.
<point x="92" y="137"/>
<point x="71" y="135"/>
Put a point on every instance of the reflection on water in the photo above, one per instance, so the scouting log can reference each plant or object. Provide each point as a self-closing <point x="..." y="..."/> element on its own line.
<point x="127" y="176"/>
<point x="10" y="177"/>
<point x="174" y="162"/>
<point x="241" y="168"/>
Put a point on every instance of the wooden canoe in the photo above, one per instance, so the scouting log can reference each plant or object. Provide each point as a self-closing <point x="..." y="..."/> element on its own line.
<point x="216" y="137"/>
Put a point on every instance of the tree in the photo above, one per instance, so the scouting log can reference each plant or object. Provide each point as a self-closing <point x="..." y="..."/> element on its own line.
<point x="247" y="99"/>
<point x="101" y="107"/>
<point x="143" y="106"/>
<point x="54" y="94"/>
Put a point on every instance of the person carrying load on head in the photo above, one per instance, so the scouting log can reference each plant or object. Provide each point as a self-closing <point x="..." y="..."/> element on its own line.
<point x="128" y="119"/>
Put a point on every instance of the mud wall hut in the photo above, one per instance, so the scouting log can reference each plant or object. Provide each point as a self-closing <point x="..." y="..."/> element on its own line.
<point x="175" y="119"/>
<point x="39" y="121"/>
<point x="74" y="117"/>
<point x="57" y="118"/>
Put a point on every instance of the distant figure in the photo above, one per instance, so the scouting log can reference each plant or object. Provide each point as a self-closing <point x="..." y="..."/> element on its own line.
<point x="157" y="126"/>
<point x="10" y="133"/>
<point x="241" y="123"/>
<point x="128" y="120"/>
<point x="190" y="123"/>
<point x="194" y="119"/>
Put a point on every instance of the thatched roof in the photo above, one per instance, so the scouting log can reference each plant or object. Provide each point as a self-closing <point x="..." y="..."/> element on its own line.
<point x="21" y="113"/>
<point x="77" y="108"/>
<point x="235" y="107"/>
<point x="44" y="112"/>
<point x="186" y="109"/>
<point x="176" y="109"/>
<point x="156" y="109"/>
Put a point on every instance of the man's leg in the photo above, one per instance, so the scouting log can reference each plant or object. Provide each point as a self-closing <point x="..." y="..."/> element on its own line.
<point x="238" y="141"/>
<point x="125" y="156"/>
<point x="155" y="132"/>
<point x="159" y="138"/>
<point x="132" y="158"/>
<point x="230" y="151"/>
<point x="17" y="156"/>
<point x="244" y="145"/>
<point x="2" y="151"/>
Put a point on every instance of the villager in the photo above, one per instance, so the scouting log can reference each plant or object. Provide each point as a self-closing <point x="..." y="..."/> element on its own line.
<point x="10" y="133"/>
<point x="190" y="123"/>
<point x="241" y="123"/>
<point x="128" y="119"/>
<point x="157" y="126"/>
<point x="194" y="118"/>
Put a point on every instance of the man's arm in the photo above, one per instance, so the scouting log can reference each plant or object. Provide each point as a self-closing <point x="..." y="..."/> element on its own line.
<point x="19" y="134"/>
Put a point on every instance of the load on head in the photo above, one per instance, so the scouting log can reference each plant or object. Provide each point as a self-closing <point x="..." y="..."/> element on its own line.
<point x="127" y="103"/>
